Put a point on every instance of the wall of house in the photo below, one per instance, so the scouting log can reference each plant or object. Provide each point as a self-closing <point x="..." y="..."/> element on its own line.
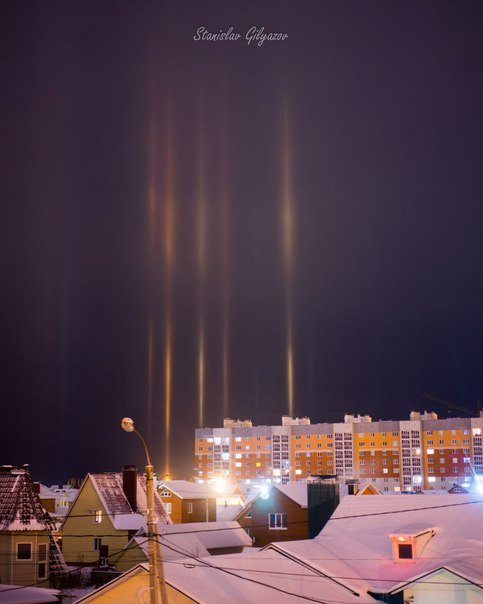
<point x="258" y="525"/>
<point x="80" y="529"/>
<point x="134" y="588"/>
<point x="23" y="572"/>
<point x="200" y="509"/>
<point x="453" y="590"/>
<point x="179" y="509"/>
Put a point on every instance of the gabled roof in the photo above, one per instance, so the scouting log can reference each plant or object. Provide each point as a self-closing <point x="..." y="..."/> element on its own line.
<point x="20" y="505"/>
<point x="188" y="490"/>
<point x="108" y="486"/>
<point x="297" y="491"/>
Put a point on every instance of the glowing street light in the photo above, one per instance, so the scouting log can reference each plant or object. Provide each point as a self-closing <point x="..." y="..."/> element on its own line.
<point x="156" y="571"/>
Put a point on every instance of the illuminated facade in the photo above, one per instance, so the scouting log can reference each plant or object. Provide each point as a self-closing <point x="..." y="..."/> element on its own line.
<point x="422" y="453"/>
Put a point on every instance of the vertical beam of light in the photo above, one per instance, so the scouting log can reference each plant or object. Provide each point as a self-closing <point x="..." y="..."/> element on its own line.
<point x="151" y="201"/>
<point x="287" y="227"/>
<point x="201" y="266"/>
<point x="169" y="259"/>
<point x="225" y="256"/>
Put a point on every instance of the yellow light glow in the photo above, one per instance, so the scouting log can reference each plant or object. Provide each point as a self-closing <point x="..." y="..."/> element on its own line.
<point x="219" y="485"/>
<point x="169" y="259"/>
<point x="287" y="229"/>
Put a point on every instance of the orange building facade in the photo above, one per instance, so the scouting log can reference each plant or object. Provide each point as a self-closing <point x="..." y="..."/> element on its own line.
<point x="423" y="453"/>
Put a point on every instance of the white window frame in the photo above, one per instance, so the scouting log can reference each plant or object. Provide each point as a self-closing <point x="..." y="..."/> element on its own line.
<point x="279" y="520"/>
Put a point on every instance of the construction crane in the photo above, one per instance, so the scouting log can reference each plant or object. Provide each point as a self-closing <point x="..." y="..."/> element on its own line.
<point x="451" y="405"/>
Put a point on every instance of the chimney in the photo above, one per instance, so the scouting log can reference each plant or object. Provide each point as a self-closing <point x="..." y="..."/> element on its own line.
<point x="129" y="485"/>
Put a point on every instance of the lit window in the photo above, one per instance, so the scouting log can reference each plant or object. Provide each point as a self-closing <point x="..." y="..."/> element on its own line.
<point x="431" y="479"/>
<point x="98" y="516"/>
<point x="190" y="507"/>
<point x="430" y="451"/>
<point x="168" y="506"/>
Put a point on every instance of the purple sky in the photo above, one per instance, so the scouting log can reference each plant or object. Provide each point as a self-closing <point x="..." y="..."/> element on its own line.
<point x="386" y="149"/>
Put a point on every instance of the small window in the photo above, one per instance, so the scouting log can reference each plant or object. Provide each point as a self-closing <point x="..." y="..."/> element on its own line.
<point x="42" y="571"/>
<point x="98" y="516"/>
<point x="96" y="544"/>
<point x="405" y="551"/>
<point x="166" y="493"/>
<point x="190" y="507"/>
<point x="277" y="521"/>
<point x="168" y="507"/>
<point x="42" y="552"/>
<point x="24" y="551"/>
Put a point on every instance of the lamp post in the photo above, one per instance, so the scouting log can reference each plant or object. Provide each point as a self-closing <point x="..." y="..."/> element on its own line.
<point x="156" y="571"/>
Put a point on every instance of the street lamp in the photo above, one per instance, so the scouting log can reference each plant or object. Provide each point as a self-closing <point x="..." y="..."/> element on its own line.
<point x="156" y="571"/>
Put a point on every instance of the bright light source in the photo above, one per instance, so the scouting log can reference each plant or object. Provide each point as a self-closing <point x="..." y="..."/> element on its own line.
<point x="220" y="485"/>
<point x="264" y="492"/>
<point x="401" y="539"/>
<point x="298" y="472"/>
<point x="465" y="485"/>
<point x="417" y="479"/>
<point x="479" y="488"/>
<point x="127" y="424"/>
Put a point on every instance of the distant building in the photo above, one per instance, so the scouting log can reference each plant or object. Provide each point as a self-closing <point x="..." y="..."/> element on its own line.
<point x="30" y="555"/>
<point x="186" y="501"/>
<point x="108" y="510"/>
<point x="422" y="453"/>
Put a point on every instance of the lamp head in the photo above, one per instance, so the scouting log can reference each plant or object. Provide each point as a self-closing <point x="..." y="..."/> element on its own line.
<point x="127" y="424"/>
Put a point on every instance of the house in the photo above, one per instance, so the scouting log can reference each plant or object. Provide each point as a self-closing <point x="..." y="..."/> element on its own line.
<point x="276" y="513"/>
<point x="416" y="549"/>
<point x="56" y="499"/>
<point x="198" y="539"/>
<point x="29" y="554"/>
<point x="233" y="579"/>
<point x="107" y="512"/>
<point x="188" y="501"/>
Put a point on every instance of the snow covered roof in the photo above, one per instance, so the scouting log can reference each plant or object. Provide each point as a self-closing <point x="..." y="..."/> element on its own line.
<point x="228" y="512"/>
<point x="213" y="535"/>
<point x="109" y="488"/>
<point x="237" y="578"/>
<point x="188" y="490"/>
<point x="297" y="491"/>
<point x="196" y="538"/>
<point x="13" y="594"/>
<point x="355" y="544"/>
<point x="20" y="505"/>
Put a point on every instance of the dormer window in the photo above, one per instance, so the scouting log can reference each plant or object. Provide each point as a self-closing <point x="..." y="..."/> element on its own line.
<point x="408" y="547"/>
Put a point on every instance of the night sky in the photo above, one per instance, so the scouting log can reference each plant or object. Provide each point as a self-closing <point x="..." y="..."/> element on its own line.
<point x="144" y="180"/>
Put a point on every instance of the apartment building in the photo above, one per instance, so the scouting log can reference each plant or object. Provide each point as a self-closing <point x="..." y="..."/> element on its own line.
<point x="422" y="453"/>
